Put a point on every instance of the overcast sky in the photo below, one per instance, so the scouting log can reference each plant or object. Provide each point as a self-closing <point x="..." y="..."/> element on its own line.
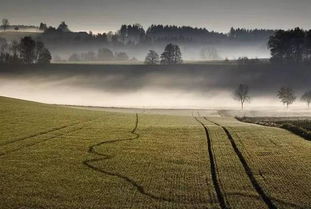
<point x="105" y="15"/>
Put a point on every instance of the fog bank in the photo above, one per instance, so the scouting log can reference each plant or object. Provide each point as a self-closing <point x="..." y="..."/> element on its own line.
<point x="140" y="86"/>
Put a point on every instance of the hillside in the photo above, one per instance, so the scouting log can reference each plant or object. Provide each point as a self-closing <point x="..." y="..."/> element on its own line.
<point x="73" y="158"/>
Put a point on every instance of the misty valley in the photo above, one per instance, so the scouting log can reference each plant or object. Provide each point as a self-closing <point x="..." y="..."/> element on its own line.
<point x="101" y="113"/>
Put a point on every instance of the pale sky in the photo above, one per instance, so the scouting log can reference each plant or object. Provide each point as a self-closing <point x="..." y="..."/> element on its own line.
<point x="105" y="15"/>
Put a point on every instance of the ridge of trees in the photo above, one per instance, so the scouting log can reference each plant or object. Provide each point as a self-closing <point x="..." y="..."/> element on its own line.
<point x="135" y="35"/>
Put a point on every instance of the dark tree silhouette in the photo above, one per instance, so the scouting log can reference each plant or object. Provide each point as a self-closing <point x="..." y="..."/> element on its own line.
<point x="43" y="27"/>
<point x="152" y="58"/>
<point x="306" y="97"/>
<point x="5" y="24"/>
<point x="289" y="46"/>
<point x="28" y="50"/>
<point x="44" y="57"/>
<point x="307" y="55"/>
<point x="63" y="27"/>
<point x="241" y="94"/>
<point x="132" y="34"/>
<point x="286" y="95"/>
<point x="171" y="55"/>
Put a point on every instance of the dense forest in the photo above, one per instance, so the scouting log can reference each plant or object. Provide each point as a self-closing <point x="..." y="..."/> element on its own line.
<point x="136" y="35"/>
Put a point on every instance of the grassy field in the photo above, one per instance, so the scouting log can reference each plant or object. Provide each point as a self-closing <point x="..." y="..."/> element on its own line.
<point x="58" y="157"/>
<point x="297" y="125"/>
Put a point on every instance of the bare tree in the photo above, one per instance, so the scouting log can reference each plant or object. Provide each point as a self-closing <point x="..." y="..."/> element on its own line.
<point x="286" y="95"/>
<point x="241" y="94"/>
<point x="5" y="23"/>
<point x="306" y="97"/>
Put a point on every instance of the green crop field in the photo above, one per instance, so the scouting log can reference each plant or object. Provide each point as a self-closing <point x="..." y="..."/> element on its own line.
<point x="60" y="157"/>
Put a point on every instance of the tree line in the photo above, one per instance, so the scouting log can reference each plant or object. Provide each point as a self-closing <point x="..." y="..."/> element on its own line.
<point x="136" y="35"/>
<point x="25" y="51"/>
<point x="286" y="95"/>
<point x="291" y="46"/>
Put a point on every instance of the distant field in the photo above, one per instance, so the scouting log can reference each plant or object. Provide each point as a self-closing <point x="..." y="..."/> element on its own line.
<point x="57" y="157"/>
<point x="298" y="125"/>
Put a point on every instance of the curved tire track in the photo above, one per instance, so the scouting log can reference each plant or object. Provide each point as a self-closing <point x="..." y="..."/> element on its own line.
<point x="247" y="169"/>
<point x="219" y="193"/>
<point x="103" y="157"/>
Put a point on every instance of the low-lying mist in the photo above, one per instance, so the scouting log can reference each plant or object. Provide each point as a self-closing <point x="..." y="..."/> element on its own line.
<point x="141" y="86"/>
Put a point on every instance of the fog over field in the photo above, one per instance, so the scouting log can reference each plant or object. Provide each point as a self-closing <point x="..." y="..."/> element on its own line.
<point x="140" y="86"/>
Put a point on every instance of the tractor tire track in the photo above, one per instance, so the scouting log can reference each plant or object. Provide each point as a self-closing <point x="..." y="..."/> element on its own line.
<point x="103" y="157"/>
<point x="38" y="134"/>
<point x="216" y="183"/>
<point x="44" y="140"/>
<point x="247" y="169"/>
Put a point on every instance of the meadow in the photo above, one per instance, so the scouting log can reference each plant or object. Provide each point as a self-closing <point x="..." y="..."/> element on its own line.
<point x="61" y="157"/>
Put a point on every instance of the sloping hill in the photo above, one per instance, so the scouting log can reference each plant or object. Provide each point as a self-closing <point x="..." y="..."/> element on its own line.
<point x="57" y="157"/>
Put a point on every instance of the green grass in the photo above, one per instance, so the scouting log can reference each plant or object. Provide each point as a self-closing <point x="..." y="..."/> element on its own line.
<point x="297" y="125"/>
<point x="57" y="157"/>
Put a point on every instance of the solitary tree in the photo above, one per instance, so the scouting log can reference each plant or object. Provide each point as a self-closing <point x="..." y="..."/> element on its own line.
<point x="306" y="97"/>
<point x="5" y="23"/>
<point x="286" y="95"/>
<point x="241" y="94"/>
<point x="171" y="55"/>
<point x="152" y="58"/>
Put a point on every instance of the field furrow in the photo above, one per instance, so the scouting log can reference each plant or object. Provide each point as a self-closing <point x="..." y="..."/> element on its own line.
<point x="220" y="196"/>
<point x="269" y="153"/>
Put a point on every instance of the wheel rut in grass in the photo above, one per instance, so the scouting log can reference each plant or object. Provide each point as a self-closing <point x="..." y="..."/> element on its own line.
<point x="43" y="133"/>
<point x="39" y="134"/>
<point x="218" y="190"/>
<point x="103" y="157"/>
<point x="247" y="169"/>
